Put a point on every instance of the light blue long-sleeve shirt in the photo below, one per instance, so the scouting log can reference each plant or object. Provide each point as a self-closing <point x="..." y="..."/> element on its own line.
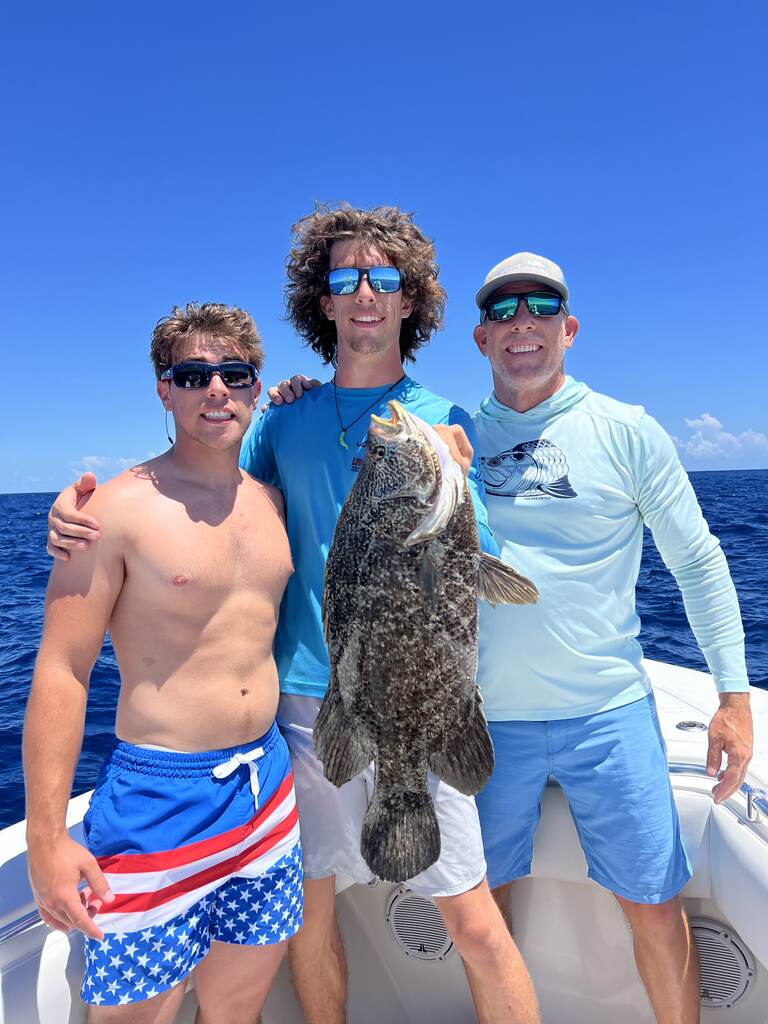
<point x="569" y="485"/>
<point x="297" y="449"/>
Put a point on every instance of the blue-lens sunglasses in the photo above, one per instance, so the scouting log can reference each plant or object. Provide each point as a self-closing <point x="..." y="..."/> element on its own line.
<point x="538" y="303"/>
<point x="346" y="280"/>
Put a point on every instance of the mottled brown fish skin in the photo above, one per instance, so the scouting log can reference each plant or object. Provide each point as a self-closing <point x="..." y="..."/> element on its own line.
<point x="401" y="628"/>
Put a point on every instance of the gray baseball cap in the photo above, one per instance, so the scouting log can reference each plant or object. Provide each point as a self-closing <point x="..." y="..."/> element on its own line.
<point x="523" y="266"/>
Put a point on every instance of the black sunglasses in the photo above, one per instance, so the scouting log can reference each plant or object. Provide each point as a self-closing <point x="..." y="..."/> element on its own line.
<point x="194" y="374"/>
<point x="538" y="303"/>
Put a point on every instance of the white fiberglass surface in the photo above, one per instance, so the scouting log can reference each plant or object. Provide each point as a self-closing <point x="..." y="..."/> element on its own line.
<point x="571" y="933"/>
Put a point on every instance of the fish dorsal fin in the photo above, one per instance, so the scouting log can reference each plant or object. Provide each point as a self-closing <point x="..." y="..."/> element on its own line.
<point x="450" y="496"/>
<point x="499" y="583"/>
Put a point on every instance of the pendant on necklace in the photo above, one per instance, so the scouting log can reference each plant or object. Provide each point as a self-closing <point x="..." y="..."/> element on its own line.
<point x="342" y="440"/>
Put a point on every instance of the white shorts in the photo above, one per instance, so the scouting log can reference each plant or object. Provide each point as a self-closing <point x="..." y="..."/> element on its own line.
<point x="331" y="818"/>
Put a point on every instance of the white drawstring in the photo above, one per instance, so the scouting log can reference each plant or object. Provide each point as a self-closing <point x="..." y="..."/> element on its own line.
<point x="221" y="771"/>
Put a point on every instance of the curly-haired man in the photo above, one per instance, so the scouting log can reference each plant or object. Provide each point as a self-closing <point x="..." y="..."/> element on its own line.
<point x="363" y="293"/>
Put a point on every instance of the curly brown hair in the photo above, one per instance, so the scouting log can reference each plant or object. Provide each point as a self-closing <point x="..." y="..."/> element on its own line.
<point x="385" y="228"/>
<point x="212" y="320"/>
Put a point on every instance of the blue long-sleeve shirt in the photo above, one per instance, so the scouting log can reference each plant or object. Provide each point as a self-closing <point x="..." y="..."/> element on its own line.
<point x="297" y="449"/>
<point x="569" y="486"/>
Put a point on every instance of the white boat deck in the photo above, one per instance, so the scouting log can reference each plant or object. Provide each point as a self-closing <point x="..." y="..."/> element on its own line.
<point x="571" y="933"/>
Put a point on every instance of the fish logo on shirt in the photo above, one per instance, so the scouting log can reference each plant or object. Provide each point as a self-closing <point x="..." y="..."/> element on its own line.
<point x="530" y="468"/>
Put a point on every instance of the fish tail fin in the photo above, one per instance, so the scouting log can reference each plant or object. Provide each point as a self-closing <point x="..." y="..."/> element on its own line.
<point x="400" y="836"/>
<point x="466" y="762"/>
<point x="341" y="748"/>
<point x="499" y="583"/>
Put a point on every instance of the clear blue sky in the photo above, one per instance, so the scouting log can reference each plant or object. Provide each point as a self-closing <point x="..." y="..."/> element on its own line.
<point x="157" y="153"/>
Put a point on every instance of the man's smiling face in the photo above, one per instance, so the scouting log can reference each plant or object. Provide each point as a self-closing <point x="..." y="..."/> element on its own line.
<point x="366" y="321"/>
<point x="214" y="415"/>
<point x="526" y="352"/>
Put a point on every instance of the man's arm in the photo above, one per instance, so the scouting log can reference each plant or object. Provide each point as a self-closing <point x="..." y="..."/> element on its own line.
<point x="669" y="507"/>
<point x="69" y="529"/>
<point x="79" y="601"/>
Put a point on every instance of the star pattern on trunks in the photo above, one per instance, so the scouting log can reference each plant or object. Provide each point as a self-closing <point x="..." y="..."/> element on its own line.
<point x="128" y="967"/>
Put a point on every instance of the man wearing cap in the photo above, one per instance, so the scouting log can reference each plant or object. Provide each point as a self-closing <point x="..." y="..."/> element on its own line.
<point x="571" y="478"/>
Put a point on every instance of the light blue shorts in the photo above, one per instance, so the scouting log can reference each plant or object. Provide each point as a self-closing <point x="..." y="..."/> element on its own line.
<point x="612" y="768"/>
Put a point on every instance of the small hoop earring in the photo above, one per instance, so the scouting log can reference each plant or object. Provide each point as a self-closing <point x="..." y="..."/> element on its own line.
<point x="167" y="432"/>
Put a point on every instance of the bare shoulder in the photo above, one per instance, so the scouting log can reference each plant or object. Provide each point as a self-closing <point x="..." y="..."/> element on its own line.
<point x="258" y="491"/>
<point x="114" y="502"/>
<point x="99" y="568"/>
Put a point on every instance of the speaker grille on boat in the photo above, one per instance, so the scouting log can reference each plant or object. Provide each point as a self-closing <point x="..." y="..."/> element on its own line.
<point x="417" y="926"/>
<point x="726" y="966"/>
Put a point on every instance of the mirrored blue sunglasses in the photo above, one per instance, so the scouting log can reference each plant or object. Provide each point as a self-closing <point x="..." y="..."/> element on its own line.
<point x="538" y="303"/>
<point x="346" y="280"/>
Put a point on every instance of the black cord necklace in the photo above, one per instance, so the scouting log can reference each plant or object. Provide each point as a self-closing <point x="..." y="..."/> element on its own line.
<point x="344" y="429"/>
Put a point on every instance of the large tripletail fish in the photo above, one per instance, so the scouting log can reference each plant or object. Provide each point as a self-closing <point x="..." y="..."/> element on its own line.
<point x="400" y="613"/>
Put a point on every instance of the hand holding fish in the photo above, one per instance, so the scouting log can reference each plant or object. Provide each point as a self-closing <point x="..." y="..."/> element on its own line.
<point x="458" y="444"/>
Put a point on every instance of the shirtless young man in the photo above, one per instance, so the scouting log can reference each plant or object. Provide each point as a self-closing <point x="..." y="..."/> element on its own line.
<point x="193" y="858"/>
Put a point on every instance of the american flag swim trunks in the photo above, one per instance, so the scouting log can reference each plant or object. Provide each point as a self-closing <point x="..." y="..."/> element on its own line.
<point x="195" y="847"/>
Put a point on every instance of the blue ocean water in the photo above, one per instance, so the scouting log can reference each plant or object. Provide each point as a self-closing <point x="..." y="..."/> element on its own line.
<point x="735" y="504"/>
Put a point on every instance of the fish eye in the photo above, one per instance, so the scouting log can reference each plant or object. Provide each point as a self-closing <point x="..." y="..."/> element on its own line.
<point x="378" y="451"/>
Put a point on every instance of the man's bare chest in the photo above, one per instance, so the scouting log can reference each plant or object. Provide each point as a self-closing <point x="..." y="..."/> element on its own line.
<point x="209" y="557"/>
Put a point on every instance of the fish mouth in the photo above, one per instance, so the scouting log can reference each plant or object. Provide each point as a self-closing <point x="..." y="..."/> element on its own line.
<point x="440" y="492"/>
<point x="395" y="425"/>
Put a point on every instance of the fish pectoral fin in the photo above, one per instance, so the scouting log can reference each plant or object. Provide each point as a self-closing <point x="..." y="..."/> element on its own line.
<point x="499" y="583"/>
<point x="560" y="488"/>
<point x="431" y="575"/>
<point x="466" y="761"/>
<point x="342" y="747"/>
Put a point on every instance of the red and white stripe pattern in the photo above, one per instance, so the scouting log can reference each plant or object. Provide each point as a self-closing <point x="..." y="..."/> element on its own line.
<point x="152" y="888"/>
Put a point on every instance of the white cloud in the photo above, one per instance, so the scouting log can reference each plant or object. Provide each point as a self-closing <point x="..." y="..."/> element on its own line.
<point x="105" y="462"/>
<point x="106" y="466"/>
<point x="709" y="441"/>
